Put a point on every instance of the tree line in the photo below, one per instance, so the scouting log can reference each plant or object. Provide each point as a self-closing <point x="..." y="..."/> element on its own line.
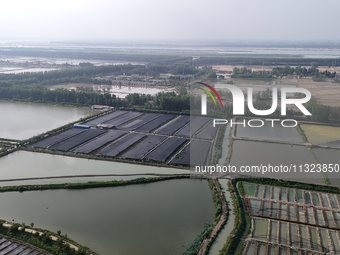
<point x="89" y="74"/>
<point x="314" y="72"/>
<point x="263" y="61"/>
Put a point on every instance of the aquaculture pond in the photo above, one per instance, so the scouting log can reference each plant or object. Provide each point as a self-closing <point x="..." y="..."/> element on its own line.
<point x="260" y="228"/>
<point x="268" y="132"/>
<point x="257" y="154"/>
<point x="25" y="120"/>
<point x="330" y="156"/>
<point x="249" y="189"/>
<point x="24" y="164"/>
<point x="150" y="219"/>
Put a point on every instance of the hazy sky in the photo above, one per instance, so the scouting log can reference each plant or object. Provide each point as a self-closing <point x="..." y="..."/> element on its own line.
<point x="170" y="20"/>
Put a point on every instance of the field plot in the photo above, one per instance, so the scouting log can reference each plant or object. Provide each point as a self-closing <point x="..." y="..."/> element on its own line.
<point x="302" y="240"/>
<point x="323" y="135"/>
<point x="143" y="147"/>
<point x="123" y="118"/>
<point x="314" y="208"/>
<point x="140" y="121"/>
<point x="208" y="132"/>
<point x="199" y="152"/>
<point x="104" y="118"/>
<point x="330" y="156"/>
<point x="100" y="141"/>
<point x="166" y="149"/>
<point x="249" y="153"/>
<point x="194" y="125"/>
<point x="57" y="138"/>
<point x="250" y="189"/>
<point x="131" y="128"/>
<point x="260" y="228"/>
<point x="156" y="123"/>
<point x="174" y="126"/>
<point x="76" y="140"/>
<point x="267" y="132"/>
<point x="325" y="92"/>
<point x="297" y="237"/>
<point x="121" y="145"/>
<point x="182" y="158"/>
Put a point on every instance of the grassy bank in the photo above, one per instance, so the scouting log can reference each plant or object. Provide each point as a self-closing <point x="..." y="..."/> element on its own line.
<point x="89" y="185"/>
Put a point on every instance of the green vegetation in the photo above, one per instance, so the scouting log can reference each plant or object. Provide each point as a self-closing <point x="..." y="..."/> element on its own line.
<point x="195" y="246"/>
<point x="40" y="94"/>
<point x="283" y="71"/>
<point x="192" y="250"/>
<point x="323" y="113"/>
<point x="89" y="185"/>
<point x="301" y="133"/>
<point x="249" y="189"/>
<point x="320" y="134"/>
<point x="217" y="200"/>
<point x="42" y="241"/>
<point x="240" y="223"/>
<point x="218" y="145"/>
<point x="31" y="87"/>
<point x="163" y="101"/>
<point x="264" y="61"/>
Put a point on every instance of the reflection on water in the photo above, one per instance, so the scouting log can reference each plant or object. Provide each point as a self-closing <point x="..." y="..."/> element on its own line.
<point x="152" y="219"/>
<point x="23" y="164"/>
<point x="247" y="153"/>
<point x="25" y="120"/>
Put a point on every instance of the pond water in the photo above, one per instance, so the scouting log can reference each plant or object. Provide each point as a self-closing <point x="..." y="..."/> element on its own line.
<point x="330" y="156"/>
<point x="24" y="120"/>
<point x="267" y="132"/>
<point x="150" y="219"/>
<point x="324" y="238"/>
<point x="260" y="228"/>
<point x="251" y="249"/>
<point x="273" y="232"/>
<point x="293" y="234"/>
<point x="24" y="164"/>
<point x="257" y="154"/>
<point x="249" y="189"/>
<point x="283" y="233"/>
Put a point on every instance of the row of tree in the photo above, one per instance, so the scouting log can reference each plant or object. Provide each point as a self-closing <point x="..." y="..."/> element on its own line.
<point x="93" y="74"/>
<point x="264" y="61"/>
<point x="170" y="101"/>
<point x="41" y="94"/>
<point x="244" y="72"/>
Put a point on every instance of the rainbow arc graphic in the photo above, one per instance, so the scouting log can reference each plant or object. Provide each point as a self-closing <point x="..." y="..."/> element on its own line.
<point x="204" y="96"/>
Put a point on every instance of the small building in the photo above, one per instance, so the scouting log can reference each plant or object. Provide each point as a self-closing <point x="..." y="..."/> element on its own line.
<point x="101" y="107"/>
<point x="106" y="126"/>
<point x="81" y="126"/>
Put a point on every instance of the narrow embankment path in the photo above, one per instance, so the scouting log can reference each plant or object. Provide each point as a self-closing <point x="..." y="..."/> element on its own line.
<point x="218" y="225"/>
